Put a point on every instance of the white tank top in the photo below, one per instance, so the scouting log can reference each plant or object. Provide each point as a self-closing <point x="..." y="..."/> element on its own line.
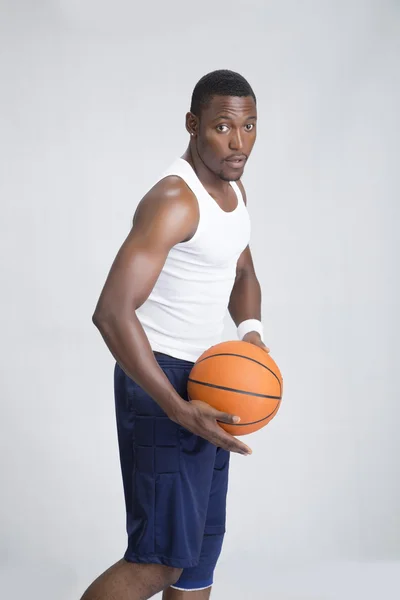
<point x="184" y="314"/>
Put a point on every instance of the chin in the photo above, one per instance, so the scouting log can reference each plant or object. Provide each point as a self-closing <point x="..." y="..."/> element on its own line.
<point x="232" y="177"/>
<point x="237" y="177"/>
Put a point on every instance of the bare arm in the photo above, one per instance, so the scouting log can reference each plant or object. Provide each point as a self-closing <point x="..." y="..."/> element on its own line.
<point x="164" y="217"/>
<point x="245" y="299"/>
<point x="167" y="215"/>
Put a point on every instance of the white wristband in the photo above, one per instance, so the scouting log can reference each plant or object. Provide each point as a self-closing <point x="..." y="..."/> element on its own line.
<point x="250" y="325"/>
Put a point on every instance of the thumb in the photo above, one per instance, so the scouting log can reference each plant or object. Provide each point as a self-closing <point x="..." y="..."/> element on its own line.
<point x="227" y="418"/>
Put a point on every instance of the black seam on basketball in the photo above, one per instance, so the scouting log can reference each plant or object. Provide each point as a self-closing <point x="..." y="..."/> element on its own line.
<point x="227" y="389"/>
<point x="247" y="358"/>
<point x="252" y="422"/>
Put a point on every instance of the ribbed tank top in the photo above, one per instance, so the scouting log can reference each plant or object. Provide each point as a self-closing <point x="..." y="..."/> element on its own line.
<point x="184" y="313"/>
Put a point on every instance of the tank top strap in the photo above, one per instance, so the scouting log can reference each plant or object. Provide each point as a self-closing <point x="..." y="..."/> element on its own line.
<point x="238" y="192"/>
<point x="183" y="169"/>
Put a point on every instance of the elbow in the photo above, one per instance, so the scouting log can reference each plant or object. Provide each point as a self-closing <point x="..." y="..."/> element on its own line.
<point x="98" y="319"/>
<point x="101" y="317"/>
<point x="109" y="319"/>
<point x="105" y="324"/>
<point x="104" y="311"/>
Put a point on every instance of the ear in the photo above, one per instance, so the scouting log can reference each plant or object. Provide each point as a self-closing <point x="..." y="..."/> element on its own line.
<point x="192" y="124"/>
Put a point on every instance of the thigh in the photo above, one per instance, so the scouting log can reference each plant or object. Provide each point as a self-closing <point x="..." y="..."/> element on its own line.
<point x="201" y="576"/>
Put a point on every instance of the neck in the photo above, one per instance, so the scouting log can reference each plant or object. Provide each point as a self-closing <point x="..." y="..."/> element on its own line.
<point x="209" y="180"/>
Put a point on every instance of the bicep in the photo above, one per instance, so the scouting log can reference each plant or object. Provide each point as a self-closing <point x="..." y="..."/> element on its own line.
<point x="245" y="265"/>
<point x="157" y="226"/>
<point x="245" y="262"/>
<point x="132" y="276"/>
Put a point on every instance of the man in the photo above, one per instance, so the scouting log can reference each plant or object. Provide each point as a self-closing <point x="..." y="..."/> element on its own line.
<point x="185" y="262"/>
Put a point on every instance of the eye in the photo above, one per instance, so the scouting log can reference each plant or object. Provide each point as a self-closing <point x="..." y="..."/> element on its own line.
<point x="222" y="131"/>
<point x="249" y="126"/>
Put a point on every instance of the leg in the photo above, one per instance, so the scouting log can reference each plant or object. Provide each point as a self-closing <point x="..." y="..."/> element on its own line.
<point x="195" y="582"/>
<point x="174" y="594"/>
<point x="167" y="475"/>
<point x="131" y="581"/>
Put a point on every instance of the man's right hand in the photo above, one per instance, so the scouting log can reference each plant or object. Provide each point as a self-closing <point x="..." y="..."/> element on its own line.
<point x="201" y="419"/>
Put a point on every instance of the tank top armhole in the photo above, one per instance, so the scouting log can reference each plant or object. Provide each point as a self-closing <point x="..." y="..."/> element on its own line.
<point x="192" y="189"/>
<point x="175" y="170"/>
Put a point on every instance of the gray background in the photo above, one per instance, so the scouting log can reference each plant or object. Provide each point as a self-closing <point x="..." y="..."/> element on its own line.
<point x="93" y="98"/>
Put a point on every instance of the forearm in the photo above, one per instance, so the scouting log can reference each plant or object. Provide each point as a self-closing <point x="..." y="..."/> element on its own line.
<point x="128" y="343"/>
<point x="245" y="299"/>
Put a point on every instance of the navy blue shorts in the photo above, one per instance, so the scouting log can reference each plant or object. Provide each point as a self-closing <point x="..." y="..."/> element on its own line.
<point x="175" y="482"/>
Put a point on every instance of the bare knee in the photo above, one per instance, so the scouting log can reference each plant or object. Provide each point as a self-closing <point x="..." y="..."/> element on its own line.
<point x="172" y="575"/>
<point x="134" y="580"/>
<point x="153" y="574"/>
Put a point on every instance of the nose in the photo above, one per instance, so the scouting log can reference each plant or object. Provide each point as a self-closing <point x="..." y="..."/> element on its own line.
<point x="236" y="140"/>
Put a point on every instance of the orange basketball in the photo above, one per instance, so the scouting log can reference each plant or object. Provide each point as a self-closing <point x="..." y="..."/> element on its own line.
<point x="241" y="379"/>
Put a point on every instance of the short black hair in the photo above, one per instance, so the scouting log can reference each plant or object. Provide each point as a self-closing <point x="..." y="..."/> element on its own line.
<point x="219" y="83"/>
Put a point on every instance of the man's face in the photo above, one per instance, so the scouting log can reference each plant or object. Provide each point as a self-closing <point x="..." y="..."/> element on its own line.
<point x="226" y="135"/>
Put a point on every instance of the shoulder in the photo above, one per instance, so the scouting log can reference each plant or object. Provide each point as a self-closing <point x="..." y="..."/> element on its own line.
<point x="170" y="195"/>
<point x="169" y="210"/>
<point x="171" y="186"/>
<point x="241" y="187"/>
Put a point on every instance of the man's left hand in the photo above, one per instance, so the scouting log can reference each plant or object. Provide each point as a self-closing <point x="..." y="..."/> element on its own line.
<point x="254" y="338"/>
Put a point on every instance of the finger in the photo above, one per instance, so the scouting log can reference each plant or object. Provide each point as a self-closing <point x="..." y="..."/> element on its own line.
<point x="229" y="442"/>
<point x="216" y="414"/>
<point x="212" y="432"/>
<point x="227" y="418"/>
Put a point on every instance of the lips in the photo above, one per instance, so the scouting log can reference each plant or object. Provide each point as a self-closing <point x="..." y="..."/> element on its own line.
<point x="236" y="162"/>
